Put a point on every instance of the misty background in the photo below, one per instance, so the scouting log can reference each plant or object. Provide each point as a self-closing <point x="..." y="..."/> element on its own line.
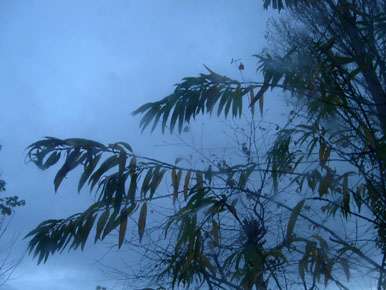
<point x="78" y="69"/>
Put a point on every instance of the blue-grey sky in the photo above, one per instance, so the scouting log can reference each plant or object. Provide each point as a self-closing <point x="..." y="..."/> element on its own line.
<point x="77" y="69"/>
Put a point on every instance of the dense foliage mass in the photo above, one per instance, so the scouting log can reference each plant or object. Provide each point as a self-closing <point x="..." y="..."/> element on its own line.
<point x="309" y="211"/>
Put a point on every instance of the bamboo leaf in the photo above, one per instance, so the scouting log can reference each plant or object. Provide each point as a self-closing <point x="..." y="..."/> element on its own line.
<point x="293" y="218"/>
<point x="175" y="182"/>
<point x="261" y="104"/>
<point x="132" y="187"/>
<point x="101" y="224"/>
<point x="108" y="164"/>
<point x="346" y="196"/>
<point x="122" y="229"/>
<point x="146" y="182"/>
<point x="325" y="184"/>
<point x="199" y="182"/>
<point x="88" y="170"/>
<point x="112" y="223"/>
<point x="126" y="146"/>
<point x="186" y="184"/>
<point x="216" y="233"/>
<point x="71" y="162"/>
<point x="324" y="152"/>
<point x="142" y="221"/>
<point x="51" y="160"/>
<point x="156" y="180"/>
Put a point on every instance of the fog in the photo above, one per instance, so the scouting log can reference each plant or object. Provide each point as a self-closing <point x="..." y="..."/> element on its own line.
<point x="78" y="69"/>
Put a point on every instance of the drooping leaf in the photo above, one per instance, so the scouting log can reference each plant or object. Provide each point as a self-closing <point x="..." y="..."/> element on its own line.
<point x="261" y="104"/>
<point x="324" y="152"/>
<point x="108" y="164"/>
<point x="132" y="187"/>
<point x="127" y="146"/>
<point x="215" y="233"/>
<point x="156" y="180"/>
<point x="88" y="170"/>
<point x="293" y="218"/>
<point x="142" y="220"/>
<point x="325" y="184"/>
<point x="146" y="182"/>
<point x="52" y="159"/>
<point x="101" y="224"/>
<point x="122" y="229"/>
<point x="186" y="184"/>
<point x="176" y="177"/>
<point x="346" y="196"/>
<point x="112" y="223"/>
<point x="71" y="162"/>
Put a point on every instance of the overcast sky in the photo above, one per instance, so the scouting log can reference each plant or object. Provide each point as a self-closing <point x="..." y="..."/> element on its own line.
<point x="77" y="69"/>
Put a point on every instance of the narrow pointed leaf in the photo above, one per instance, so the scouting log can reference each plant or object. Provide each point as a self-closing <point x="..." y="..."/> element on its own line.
<point x="293" y="218"/>
<point x="142" y="221"/>
<point x="122" y="229"/>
